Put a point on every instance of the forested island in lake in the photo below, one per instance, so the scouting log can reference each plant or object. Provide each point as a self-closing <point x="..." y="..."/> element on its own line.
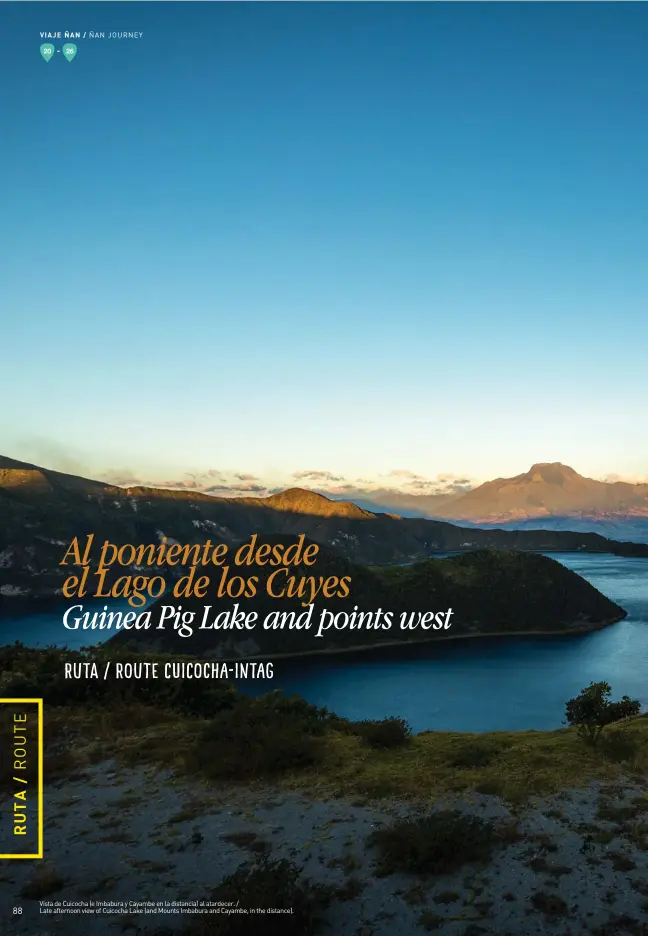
<point x="488" y="592"/>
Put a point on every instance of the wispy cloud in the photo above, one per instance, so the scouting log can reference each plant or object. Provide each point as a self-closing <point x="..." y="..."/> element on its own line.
<point x="221" y="482"/>
<point x="397" y="482"/>
<point x="245" y="488"/>
<point x="313" y="475"/>
<point x="121" y="477"/>
<point x="386" y="488"/>
<point x="217" y="482"/>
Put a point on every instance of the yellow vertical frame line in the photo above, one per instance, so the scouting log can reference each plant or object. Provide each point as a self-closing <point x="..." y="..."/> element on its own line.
<point x="41" y="762"/>
<point x="41" y="759"/>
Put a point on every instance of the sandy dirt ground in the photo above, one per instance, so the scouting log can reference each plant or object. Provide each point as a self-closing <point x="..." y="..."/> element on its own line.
<point x="137" y="835"/>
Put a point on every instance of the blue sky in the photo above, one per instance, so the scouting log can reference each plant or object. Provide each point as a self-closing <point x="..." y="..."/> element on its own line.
<point x="356" y="238"/>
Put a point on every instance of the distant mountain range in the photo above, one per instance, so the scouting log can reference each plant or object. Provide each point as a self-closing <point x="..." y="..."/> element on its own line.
<point x="41" y="511"/>
<point x="550" y="496"/>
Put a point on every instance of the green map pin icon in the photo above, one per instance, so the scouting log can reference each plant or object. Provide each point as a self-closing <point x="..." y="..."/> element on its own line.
<point x="47" y="51"/>
<point x="69" y="51"/>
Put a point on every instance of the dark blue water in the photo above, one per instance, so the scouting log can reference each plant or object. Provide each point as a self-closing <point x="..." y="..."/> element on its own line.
<point x="494" y="684"/>
<point x="462" y="685"/>
<point x="47" y="630"/>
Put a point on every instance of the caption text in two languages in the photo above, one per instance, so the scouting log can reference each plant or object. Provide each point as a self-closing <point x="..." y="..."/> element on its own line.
<point x="281" y="583"/>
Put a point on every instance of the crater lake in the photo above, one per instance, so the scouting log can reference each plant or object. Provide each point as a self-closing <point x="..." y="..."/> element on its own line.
<point x="476" y="684"/>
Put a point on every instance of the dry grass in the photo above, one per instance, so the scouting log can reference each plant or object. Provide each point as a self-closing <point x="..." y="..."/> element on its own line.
<point x="44" y="881"/>
<point x="526" y="763"/>
<point x="512" y="765"/>
<point x="132" y="734"/>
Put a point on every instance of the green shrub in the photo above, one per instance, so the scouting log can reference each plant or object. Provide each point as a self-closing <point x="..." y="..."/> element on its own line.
<point x="475" y="753"/>
<point x="551" y="905"/>
<point x="492" y="786"/>
<point x="265" y="885"/>
<point x="619" y="747"/>
<point x="45" y="881"/>
<point x="252" y="741"/>
<point x="387" y="733"/>
<point x="274" y="884"/>
<point x="313" y="719"/>
<point x="439" y="843"/>
<point x="591" y="711"/>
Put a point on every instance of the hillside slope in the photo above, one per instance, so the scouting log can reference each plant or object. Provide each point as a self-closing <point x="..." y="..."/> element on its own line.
<point x="547" y="489"/>
<point x="41" y="511"/>
<point x="550" y="496"/>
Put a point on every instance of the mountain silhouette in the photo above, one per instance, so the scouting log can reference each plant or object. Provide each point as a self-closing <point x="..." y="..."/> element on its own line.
<point x="546" y="489"/>
<point x="549" y="495"/>
<point x="41" y="511"/>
